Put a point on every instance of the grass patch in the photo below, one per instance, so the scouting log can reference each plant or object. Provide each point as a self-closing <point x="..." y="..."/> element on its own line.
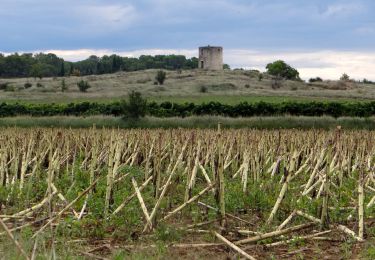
<point x="209" y="122"/>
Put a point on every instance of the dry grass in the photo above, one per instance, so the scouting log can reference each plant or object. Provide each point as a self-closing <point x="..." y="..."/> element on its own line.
<point x="188" y="83"/>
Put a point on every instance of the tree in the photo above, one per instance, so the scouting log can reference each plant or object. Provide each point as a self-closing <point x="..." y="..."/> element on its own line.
<point x="71" y="69"/>
<point x="366" y="81"/>
<point x="226" y="67"/>
<point x="345" y="77"/>
<point x="160" y="77"/>
<point x="135" y="107"/>
<point x="62" y="70"/>
<point x="37" y="71"/>
<point x="281" y="69"/>
<point x="2" y="60"/>
<point x="83" y="86"/>
<point x="50" y="65"/>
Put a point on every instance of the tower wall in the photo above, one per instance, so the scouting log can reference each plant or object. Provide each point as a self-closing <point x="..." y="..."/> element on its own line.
<point x="211" y="58"/>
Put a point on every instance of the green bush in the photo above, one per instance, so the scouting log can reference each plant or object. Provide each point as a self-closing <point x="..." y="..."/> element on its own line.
<point x="83" y="86"/>
<point x="28" y="85"/>
<point x="317" y="79"/>
<point x="9" y="88"/>
<point x="3" y="86"/>
<point x="160" y="77"/>
<point x="203" y="89"/>
<point x="135" y="107"/>
<point x="64" y="87"/>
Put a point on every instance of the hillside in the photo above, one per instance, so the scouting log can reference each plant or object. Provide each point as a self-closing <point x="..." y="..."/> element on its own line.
<point x="187" y="85"/>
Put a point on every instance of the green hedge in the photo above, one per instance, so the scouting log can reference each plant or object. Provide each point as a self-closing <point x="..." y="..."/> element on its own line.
<point x="168" y="109"/>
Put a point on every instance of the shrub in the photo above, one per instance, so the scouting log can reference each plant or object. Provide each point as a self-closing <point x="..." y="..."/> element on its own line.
<point x="3" y="86"/>
<point x="160" y="77"/>
<point x="135" y="107"/>
<point x="260" y="77"/>
<point x="203" y="89"/>
<point x="83" y="86"/>
<point x="39" y="85"/>
<point x="28" y="85"/>
<point x="9" y="88"/>
<point x="317" y="79"/>
<point x="64" y="87"/>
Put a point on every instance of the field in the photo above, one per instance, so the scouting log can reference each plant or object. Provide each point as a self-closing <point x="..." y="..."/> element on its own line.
<point x="190" y="194"/>
<point x="229" y="87"/>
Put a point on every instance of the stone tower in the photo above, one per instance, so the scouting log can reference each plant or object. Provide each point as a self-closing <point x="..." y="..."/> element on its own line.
<point x="210" y="58"/>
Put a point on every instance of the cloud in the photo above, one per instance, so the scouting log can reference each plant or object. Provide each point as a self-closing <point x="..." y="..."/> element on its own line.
<point x="328" y="64"/>
<point x="366" y="30"/>
<point x="325" y="63"/>
<point x="138" y="24"/>
<point x="342" y="9"/>
<point x="72" y="18"/>
<point x="81" y="54"/>
<point x="106" y="17"/>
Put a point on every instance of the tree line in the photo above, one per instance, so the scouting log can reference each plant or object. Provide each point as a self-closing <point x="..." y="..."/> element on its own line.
<point x="168" y="109"/>
<point x="50" y="65"/>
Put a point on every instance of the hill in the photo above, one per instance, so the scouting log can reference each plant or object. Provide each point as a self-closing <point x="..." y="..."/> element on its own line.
<point x="228" y="86"/>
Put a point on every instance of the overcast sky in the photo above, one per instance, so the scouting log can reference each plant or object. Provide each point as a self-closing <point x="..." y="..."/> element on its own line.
<point x="319" y="37"/>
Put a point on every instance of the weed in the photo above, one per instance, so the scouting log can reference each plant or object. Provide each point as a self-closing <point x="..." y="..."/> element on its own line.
<point x="167" y="233"/>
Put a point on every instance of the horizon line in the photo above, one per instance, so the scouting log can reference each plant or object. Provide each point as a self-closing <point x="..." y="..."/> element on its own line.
<point x="327" y="64"/>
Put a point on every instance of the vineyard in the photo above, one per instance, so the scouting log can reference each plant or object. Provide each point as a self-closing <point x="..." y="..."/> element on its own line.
<point x="168" y="109"/>
<point x="107" y="193"/>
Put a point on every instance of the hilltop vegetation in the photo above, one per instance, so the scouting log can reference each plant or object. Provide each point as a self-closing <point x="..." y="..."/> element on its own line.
<point x="197" y="86"/>
<point x="49" y="65"/>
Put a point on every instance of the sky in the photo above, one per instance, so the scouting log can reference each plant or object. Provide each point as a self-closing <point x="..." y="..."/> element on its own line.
<point x="323" y="38"/>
